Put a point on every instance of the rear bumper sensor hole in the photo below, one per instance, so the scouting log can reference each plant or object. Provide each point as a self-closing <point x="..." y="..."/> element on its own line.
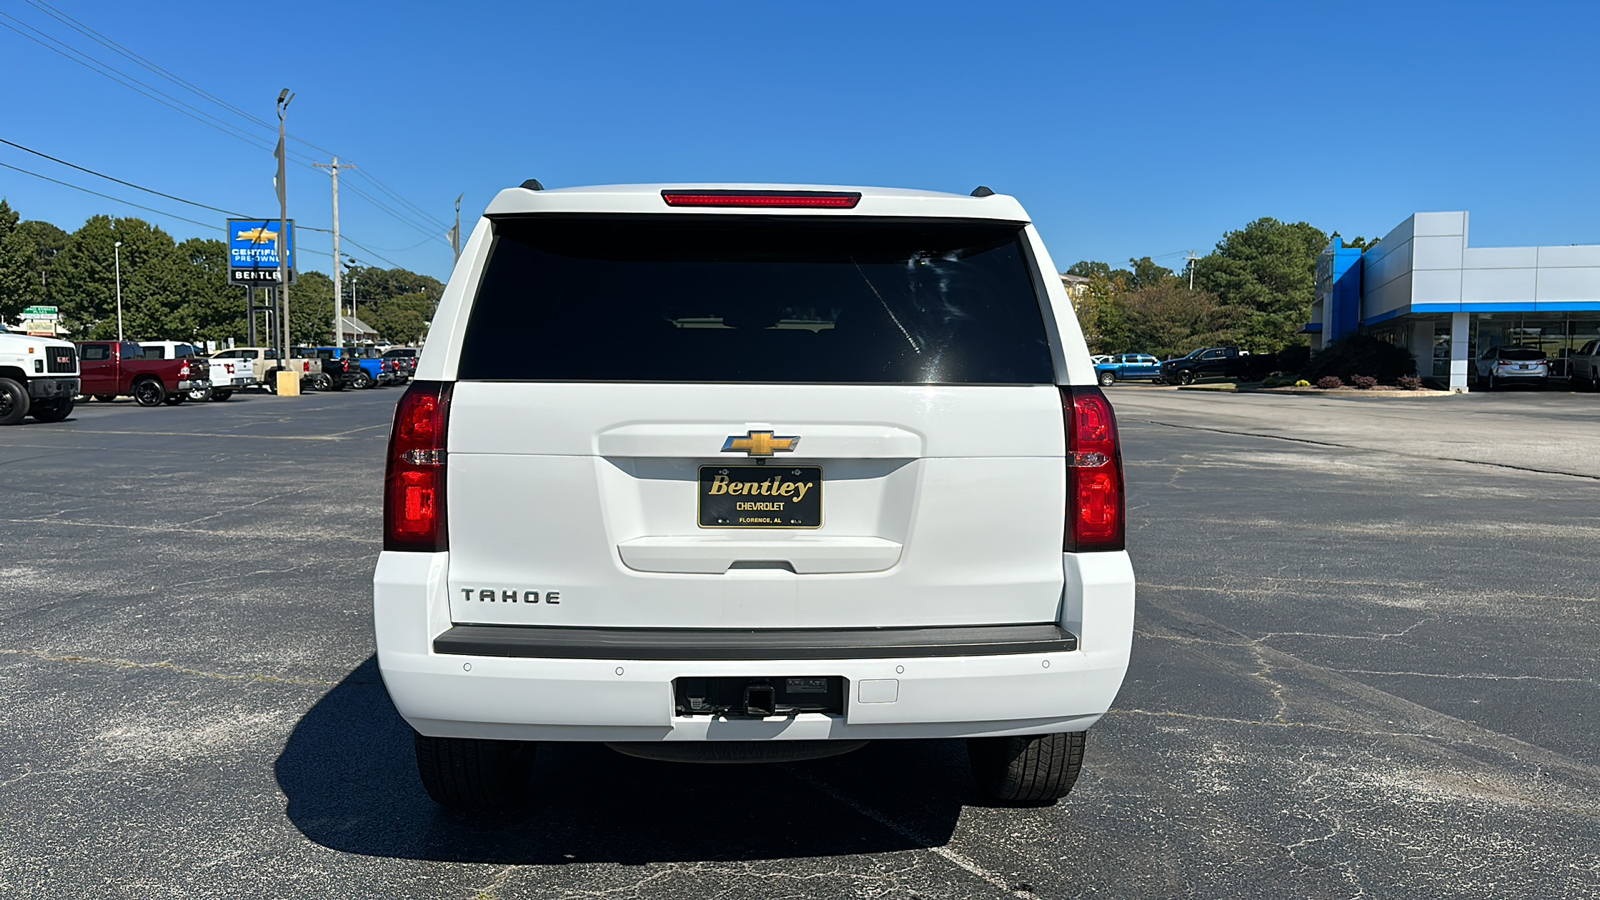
<point x="758" y="698"/>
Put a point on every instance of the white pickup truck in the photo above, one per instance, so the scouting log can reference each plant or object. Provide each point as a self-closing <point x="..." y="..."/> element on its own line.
<point x="38" y="377"/>
<point x="1585" y="365"/>
<point x="227" y="375"/>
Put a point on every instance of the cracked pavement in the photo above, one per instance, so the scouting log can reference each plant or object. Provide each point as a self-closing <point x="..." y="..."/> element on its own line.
<point x="1363" y="667"/>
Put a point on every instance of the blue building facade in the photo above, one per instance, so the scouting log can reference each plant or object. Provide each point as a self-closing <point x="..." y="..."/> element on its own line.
<point x="1422" y="287"/>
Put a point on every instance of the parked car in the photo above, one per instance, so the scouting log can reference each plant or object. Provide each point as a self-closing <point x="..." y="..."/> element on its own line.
<point x="583" y="541"/>
<point x="223" y="380"/>
<point x="1128" y="367"/>
<point x="114" y="369"/>
<point x="407" y="357"/>
<point x="1498" y="366"/>
<point x="357" y="367"/>
<point x="1217" y="362"/>
<point x="38" y="377"/>
<point x="1585" y="365"/>
<point x="267" y="367"/>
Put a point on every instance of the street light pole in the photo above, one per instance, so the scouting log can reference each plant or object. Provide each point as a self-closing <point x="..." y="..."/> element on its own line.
<point x="116" y="253"/>
<point x="284" y="99"/>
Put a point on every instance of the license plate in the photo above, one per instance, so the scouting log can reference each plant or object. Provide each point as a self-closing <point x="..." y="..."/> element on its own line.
<point x="760" y="496"/>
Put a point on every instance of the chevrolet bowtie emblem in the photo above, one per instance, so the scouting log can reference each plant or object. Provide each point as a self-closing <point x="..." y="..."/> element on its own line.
<point x="760" y="443"/>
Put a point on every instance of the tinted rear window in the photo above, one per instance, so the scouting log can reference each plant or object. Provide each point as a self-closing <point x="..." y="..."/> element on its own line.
<point x="757" y="299"/>
<point x="1526" y="353"/>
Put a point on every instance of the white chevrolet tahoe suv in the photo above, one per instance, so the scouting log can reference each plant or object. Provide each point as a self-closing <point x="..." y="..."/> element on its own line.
<point x="746" y="473"/>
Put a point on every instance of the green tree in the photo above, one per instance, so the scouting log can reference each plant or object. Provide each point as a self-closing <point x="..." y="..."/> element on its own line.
<point x="1168" y="319"/>
<point x="48" y="242"/>
<point x="404" y="319"/>
<point x="1085" y="268"/>
<point x="210" y="307"/>
<point x="1267" y="270"/>
<point x="18" y="287"/>
<point x="311" y="310"/>
<point x="86" y="283"/>
<point x="1102" y="315"/>
<point x="1146" y="273"/>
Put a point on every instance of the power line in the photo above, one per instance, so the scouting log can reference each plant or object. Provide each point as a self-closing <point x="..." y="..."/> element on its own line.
<point x="421" y="213"/>
<point x="140" y="86"/>
<point x="118" y="180"/>
<point x="85" y="30"/>
<point x="151" y="209"/>
<point x="371" y="252"/>
<point x="378" y="203"/>
<point x="133" y="84"/>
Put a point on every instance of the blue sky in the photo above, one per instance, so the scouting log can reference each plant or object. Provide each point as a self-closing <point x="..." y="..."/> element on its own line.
<point x="1127" y="129"/>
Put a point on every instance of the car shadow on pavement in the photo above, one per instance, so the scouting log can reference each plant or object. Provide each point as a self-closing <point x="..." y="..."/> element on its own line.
<point x="351" y="783"/>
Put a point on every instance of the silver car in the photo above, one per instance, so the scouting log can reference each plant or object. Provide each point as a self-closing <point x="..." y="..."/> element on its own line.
<point x="1504" y="365"/>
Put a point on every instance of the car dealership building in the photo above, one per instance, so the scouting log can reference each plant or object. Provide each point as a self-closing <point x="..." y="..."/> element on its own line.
<point x="1423" y="288"/>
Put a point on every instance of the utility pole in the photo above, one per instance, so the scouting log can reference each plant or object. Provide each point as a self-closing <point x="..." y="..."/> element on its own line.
<point x="338" y="298"/>
<point x="455" y="233"/>
<point x="116" y="254"/>
<point x="284" y="99"/>
<point x="1192" y="259"/>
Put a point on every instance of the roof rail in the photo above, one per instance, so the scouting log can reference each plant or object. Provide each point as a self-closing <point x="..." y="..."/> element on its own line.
<point x="533" y="184"/>
<point x="982" y="191"/>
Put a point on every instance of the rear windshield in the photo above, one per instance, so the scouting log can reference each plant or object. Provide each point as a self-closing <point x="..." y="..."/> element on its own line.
<point x="1520" y="353"/>
<point x="757" y="299"/>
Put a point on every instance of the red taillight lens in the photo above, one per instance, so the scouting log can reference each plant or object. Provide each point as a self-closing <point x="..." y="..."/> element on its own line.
<point x="765" y="199"/>
<point x="183" y="371"/>
<point x="1096" y="505"/>
<point x="414" y="482"/>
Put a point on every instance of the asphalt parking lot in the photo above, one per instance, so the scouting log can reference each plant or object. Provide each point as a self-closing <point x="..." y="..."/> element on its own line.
<point x="1364" y="667"/>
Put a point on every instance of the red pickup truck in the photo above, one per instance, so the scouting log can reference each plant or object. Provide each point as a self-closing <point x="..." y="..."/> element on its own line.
<point x="119" y="368"/>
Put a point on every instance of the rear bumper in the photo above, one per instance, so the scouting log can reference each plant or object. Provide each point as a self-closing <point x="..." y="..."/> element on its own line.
<point x="1062" y="678"/>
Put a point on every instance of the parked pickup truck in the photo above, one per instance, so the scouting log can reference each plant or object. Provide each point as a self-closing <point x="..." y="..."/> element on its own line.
<point x="407" y="356"/>
<point x="1217" y="362"/>
<point x="1128" y="367"/>
<point x="267" y="367"/>
<point x="1584" y="365"/>
<point x="227" y="375"/>
<point x="340" y="367"/>
<point x="365" y="368"/>
<point x="38" y="377"/>
<point x="120" y="368"/>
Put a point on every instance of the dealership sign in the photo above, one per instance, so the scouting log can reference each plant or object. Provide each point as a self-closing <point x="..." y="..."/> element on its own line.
<point x="254" y="246"/>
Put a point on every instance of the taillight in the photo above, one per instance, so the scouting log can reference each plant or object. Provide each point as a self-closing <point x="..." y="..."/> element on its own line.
<point x="764" y="199"/>
<point x="1096" y="506"/>
<point x="414" y="481"/>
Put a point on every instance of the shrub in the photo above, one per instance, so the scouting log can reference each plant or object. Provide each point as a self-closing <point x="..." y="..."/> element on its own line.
<point x="1364" y="382"/>
<point x="1294" y="359"/>
<point x="1329" y="382"/>
<point x="1362" y="353"/>
<point x="1409" y="382"/>
<point x="1302" y="383"/>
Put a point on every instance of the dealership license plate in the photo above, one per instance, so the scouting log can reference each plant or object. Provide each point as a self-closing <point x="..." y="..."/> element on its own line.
<point x="760" y="496"/>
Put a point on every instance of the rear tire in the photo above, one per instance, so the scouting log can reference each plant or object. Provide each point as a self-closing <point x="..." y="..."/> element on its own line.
<point x="472" y="774"/>
<point x="52" y="410"/>
<point x="321" y="382"/>
<point x="149" y="392"/>
<point x="13" y="401"/>
<point x="1107" y="379"/>
<point x="1035" y="768"/>
<point x="363" y="380"/>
